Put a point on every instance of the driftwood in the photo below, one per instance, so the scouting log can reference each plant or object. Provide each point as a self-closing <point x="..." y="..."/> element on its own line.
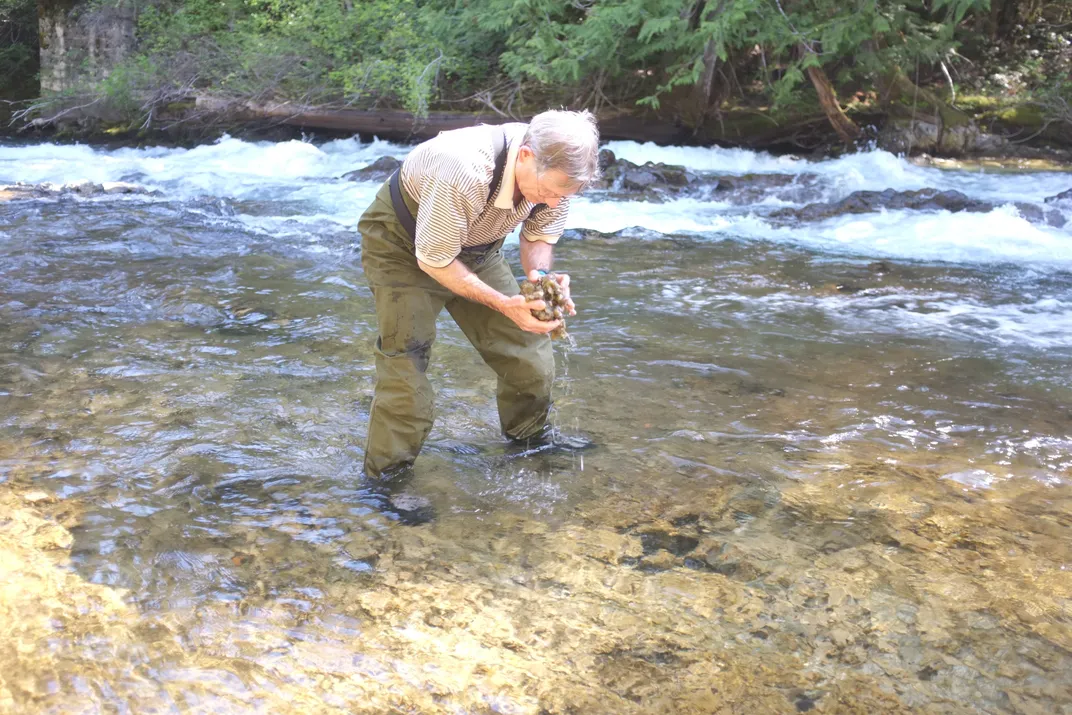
<point x="397" y="124"/>
<point x="200" y="115"/>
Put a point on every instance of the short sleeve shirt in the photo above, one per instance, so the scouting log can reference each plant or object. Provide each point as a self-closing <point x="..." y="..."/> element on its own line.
<point x="450" y="178"/>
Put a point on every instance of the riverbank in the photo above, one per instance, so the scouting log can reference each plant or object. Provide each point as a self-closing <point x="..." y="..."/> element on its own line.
<point x="1012" y="131"/>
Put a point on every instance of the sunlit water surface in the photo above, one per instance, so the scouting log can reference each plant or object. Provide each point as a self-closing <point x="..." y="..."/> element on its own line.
<point x="832" y="471"/>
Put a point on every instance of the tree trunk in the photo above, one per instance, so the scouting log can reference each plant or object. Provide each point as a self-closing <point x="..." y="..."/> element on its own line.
<point x="705" y="90"/>
<point x="1003" y="17"/>
<point x="845" y="127"/>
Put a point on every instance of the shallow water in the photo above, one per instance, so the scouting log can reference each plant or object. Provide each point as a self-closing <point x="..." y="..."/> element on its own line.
<point x="832" y="474"/>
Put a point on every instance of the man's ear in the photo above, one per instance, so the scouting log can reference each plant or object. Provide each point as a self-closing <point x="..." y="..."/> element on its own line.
<point x="524" y="153"/>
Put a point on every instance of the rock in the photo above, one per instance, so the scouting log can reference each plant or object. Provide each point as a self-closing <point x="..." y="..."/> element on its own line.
<point x="659" y="561"/>
<point x="1038" y="214"/>
<point x="121" y="187"/>
<point x="85" y="189"/>
<point x="654" y="180"/>
<point x="658" y="182"/>
<point x="378" y="170"/>
<point x="904" y="136"/>
<point x="655" y="538"/>
<point x="753" y="188"/>
<point x="606" y="159"/>
<point x="730" y="560"/>
<point x="840" y="637"/>
<point x="1063" y="196"/>
<point x="871" y="201"/>
<point x="879" y="267"/>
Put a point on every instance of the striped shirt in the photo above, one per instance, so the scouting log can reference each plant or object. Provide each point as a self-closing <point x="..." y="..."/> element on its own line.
<point x="450" y="178"/>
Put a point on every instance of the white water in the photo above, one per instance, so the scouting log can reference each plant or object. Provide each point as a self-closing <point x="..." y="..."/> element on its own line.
<point x="295" y="188"/>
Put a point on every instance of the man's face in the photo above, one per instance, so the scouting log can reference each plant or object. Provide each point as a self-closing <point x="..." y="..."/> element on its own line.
<point x="542" y="187"/>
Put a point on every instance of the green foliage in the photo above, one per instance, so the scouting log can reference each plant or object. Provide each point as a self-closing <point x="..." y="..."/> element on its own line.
<point x="524" y="54"/>
<point x="18" y="45"/>
<point x="650" y="47"/>
<point x="1055" y="102"/>
<point x="360" y="53"/>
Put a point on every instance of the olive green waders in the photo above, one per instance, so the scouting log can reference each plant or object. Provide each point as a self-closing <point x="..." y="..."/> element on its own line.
<point x="408" y="301"/>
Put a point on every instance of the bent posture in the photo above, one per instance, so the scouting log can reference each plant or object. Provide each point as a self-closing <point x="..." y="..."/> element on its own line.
<point x="432" y="238"/>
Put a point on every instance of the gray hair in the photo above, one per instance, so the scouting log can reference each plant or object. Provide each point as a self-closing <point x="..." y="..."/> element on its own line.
<point x="567" y="141"/>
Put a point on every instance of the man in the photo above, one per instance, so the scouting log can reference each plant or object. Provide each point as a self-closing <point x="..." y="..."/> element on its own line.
<point x="432" y="238"/>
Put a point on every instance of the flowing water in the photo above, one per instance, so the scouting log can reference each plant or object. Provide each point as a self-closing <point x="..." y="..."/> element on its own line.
<point x="832" y="471"/>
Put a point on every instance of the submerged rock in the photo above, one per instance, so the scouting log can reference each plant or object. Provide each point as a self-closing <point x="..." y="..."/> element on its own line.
<point x="753" y="188"/>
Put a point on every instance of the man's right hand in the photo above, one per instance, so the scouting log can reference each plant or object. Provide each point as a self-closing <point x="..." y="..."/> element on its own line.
<point x="519" y="310"/>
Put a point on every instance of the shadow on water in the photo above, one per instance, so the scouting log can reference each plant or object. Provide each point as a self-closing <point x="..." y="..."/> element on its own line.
<point x="819" y="486"/>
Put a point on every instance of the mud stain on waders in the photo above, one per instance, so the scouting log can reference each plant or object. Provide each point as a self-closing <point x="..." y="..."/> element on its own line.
<point x="420" y="353"/>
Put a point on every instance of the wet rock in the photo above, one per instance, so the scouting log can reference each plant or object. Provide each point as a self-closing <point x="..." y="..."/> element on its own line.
<point x="1039" y="214"/>
<point x="621" y="175"/>
<point x="922" y="200"/>
<point x="603" y="545"/>
<point x="658" y="561"/>
<point x="1063" y="196"/>
<point x="378" y="170"/>
<point x="753" y="188"/>
<point x="731" y="560"/>
<point x="655" y="538"/>
<point x="37" y="496"/>
<point x="84" y="189"/>
<point x="871" y="201"/>
<point x="879" y="267"/>
<point x="606" y="159"/>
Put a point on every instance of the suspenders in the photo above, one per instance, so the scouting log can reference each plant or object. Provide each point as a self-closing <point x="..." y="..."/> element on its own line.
<point x="405" y="217"/>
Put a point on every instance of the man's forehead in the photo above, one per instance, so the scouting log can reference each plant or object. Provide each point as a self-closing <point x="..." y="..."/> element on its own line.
<point x="560" y="179"/>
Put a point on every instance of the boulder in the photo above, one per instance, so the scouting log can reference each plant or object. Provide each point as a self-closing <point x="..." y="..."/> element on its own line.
<point x="378" y="170"/>
<point x="870" y="201"/>
<point x="1064" y="196"/>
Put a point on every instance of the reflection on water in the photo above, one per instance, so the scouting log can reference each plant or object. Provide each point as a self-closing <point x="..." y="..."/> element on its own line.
<point x="823" y="484"/>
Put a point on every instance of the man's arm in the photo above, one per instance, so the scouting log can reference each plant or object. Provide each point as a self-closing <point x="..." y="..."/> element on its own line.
<point x="536" y="256"/>
<point x="456" y="277"/>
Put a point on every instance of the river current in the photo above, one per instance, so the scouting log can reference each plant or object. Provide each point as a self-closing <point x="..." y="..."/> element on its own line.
<point x="832" y="470"/>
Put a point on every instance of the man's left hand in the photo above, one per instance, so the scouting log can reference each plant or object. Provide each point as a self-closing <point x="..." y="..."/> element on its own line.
<point x="563" y="283"/>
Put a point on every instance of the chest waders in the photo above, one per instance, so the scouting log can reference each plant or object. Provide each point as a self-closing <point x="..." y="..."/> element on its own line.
<point x="408" y="301"/>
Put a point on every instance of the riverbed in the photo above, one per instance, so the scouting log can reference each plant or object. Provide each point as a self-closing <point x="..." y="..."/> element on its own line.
<point x="831" y="475"/>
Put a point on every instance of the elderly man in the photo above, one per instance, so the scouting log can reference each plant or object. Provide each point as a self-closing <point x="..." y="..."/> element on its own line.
<point x="432" y="238"/>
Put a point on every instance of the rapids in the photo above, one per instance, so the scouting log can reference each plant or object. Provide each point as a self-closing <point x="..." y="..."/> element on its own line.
<point x="832" y="471"/>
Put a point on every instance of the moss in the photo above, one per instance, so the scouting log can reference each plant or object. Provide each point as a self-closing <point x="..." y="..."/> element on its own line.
<point x="981" y="102"/>
<point x="1024" y="115"/>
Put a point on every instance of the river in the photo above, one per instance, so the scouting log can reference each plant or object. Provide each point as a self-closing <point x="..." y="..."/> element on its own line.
<point x="832" y="474"/>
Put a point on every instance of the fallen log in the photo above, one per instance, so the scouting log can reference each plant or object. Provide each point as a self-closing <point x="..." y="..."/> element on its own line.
<point x="399" y="125"/>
